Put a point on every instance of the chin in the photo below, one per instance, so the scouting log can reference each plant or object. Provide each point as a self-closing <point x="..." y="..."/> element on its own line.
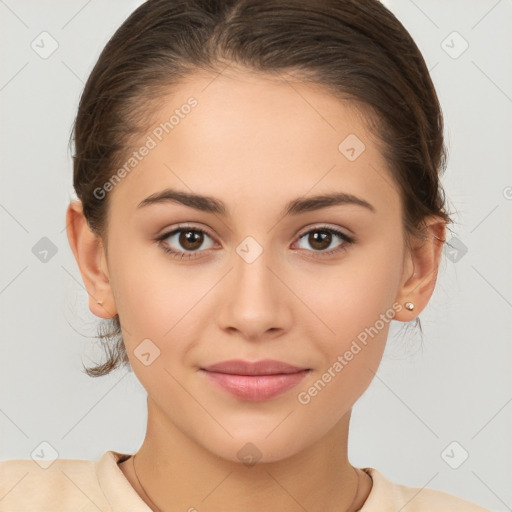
<point x="256" y="447"/>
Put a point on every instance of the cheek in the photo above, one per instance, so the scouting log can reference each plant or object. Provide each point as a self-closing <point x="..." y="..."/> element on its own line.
<point x="148" y="297"/>
<point x="355" y="303"/>
<point x="160" y="301"/>
<point x="350" y="297"/>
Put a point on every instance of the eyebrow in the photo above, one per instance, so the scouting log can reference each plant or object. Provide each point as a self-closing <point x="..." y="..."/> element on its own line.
<point x="210" y="204"/>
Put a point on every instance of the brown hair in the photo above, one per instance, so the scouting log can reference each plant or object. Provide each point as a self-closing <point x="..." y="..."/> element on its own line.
<point x="356" y="49"/>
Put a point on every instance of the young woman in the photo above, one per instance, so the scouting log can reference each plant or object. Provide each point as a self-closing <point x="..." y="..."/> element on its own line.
<point x="259" y="198"/>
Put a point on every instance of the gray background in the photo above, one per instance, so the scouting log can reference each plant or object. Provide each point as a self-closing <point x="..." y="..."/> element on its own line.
<point x="456" y="385"/>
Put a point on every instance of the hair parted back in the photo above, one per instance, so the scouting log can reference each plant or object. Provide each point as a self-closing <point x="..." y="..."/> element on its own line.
<point x="356" y="49"/>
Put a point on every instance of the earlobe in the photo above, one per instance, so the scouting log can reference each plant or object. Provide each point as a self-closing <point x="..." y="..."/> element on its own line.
<point x="89" y="253"/>
<point x="421" y="266"/>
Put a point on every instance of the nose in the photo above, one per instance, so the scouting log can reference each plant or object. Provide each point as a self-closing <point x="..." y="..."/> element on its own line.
<point x="255" y="301"/>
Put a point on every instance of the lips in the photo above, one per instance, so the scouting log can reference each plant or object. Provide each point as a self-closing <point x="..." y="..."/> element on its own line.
<point x="265" y="367"/>
<point x="254" y="381"/>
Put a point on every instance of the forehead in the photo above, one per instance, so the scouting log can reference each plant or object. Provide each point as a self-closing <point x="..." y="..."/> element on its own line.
<point x="248" y="134"/>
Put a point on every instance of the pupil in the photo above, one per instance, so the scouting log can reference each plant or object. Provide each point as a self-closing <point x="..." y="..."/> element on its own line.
<point x="321" y="236"/>
<point x="187" y="240"/>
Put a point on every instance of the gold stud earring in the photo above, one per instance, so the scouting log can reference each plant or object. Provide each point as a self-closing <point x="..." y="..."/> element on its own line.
<point x="409" y="306"/>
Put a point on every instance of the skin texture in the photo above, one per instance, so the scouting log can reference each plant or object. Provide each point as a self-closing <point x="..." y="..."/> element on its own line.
<point x="255" y="142"/>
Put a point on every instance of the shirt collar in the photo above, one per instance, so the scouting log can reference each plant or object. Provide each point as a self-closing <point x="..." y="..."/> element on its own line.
<point x="122" y="496"/>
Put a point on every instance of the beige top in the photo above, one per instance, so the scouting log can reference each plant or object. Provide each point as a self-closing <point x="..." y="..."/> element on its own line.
<point x="91" y="486"/>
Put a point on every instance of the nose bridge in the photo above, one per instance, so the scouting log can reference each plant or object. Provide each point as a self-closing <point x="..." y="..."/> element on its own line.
<point x="252" y="275"/>
<point x="252" y="301"/>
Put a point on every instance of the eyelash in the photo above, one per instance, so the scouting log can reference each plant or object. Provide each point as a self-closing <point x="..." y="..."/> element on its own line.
<point x="191" y="255"/>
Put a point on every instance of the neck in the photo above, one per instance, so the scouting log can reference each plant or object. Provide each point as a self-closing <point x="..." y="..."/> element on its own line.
<point x="177" y="473"/>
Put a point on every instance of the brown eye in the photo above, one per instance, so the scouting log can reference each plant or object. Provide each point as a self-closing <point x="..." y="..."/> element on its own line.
<point x="191" y="240"/>
<point x="185" y="242"/>
<point x="320" y="239"/>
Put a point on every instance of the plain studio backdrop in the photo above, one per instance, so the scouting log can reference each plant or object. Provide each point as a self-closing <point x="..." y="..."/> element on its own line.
<point x="439" y="411"/>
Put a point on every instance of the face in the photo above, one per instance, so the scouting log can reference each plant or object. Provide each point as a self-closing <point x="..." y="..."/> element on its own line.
<point x="314" y="287"/>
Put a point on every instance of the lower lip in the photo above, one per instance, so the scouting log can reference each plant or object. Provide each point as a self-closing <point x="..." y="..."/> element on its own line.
<point x="256" y="387"/>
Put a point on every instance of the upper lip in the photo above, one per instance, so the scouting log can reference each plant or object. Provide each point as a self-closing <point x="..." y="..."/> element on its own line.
<point x="264" y="367"/>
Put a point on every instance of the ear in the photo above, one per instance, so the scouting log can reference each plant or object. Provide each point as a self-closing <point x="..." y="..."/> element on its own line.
<point x="421" y="265"/>
<point x="90" y="256"/>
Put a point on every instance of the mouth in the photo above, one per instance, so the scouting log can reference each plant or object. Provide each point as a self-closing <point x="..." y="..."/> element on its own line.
<point x="254" y="381"/>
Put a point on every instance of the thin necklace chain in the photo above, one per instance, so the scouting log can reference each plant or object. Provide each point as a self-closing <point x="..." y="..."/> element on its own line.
<point x="143" y="490"/>
<point x="158" y="510"/>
